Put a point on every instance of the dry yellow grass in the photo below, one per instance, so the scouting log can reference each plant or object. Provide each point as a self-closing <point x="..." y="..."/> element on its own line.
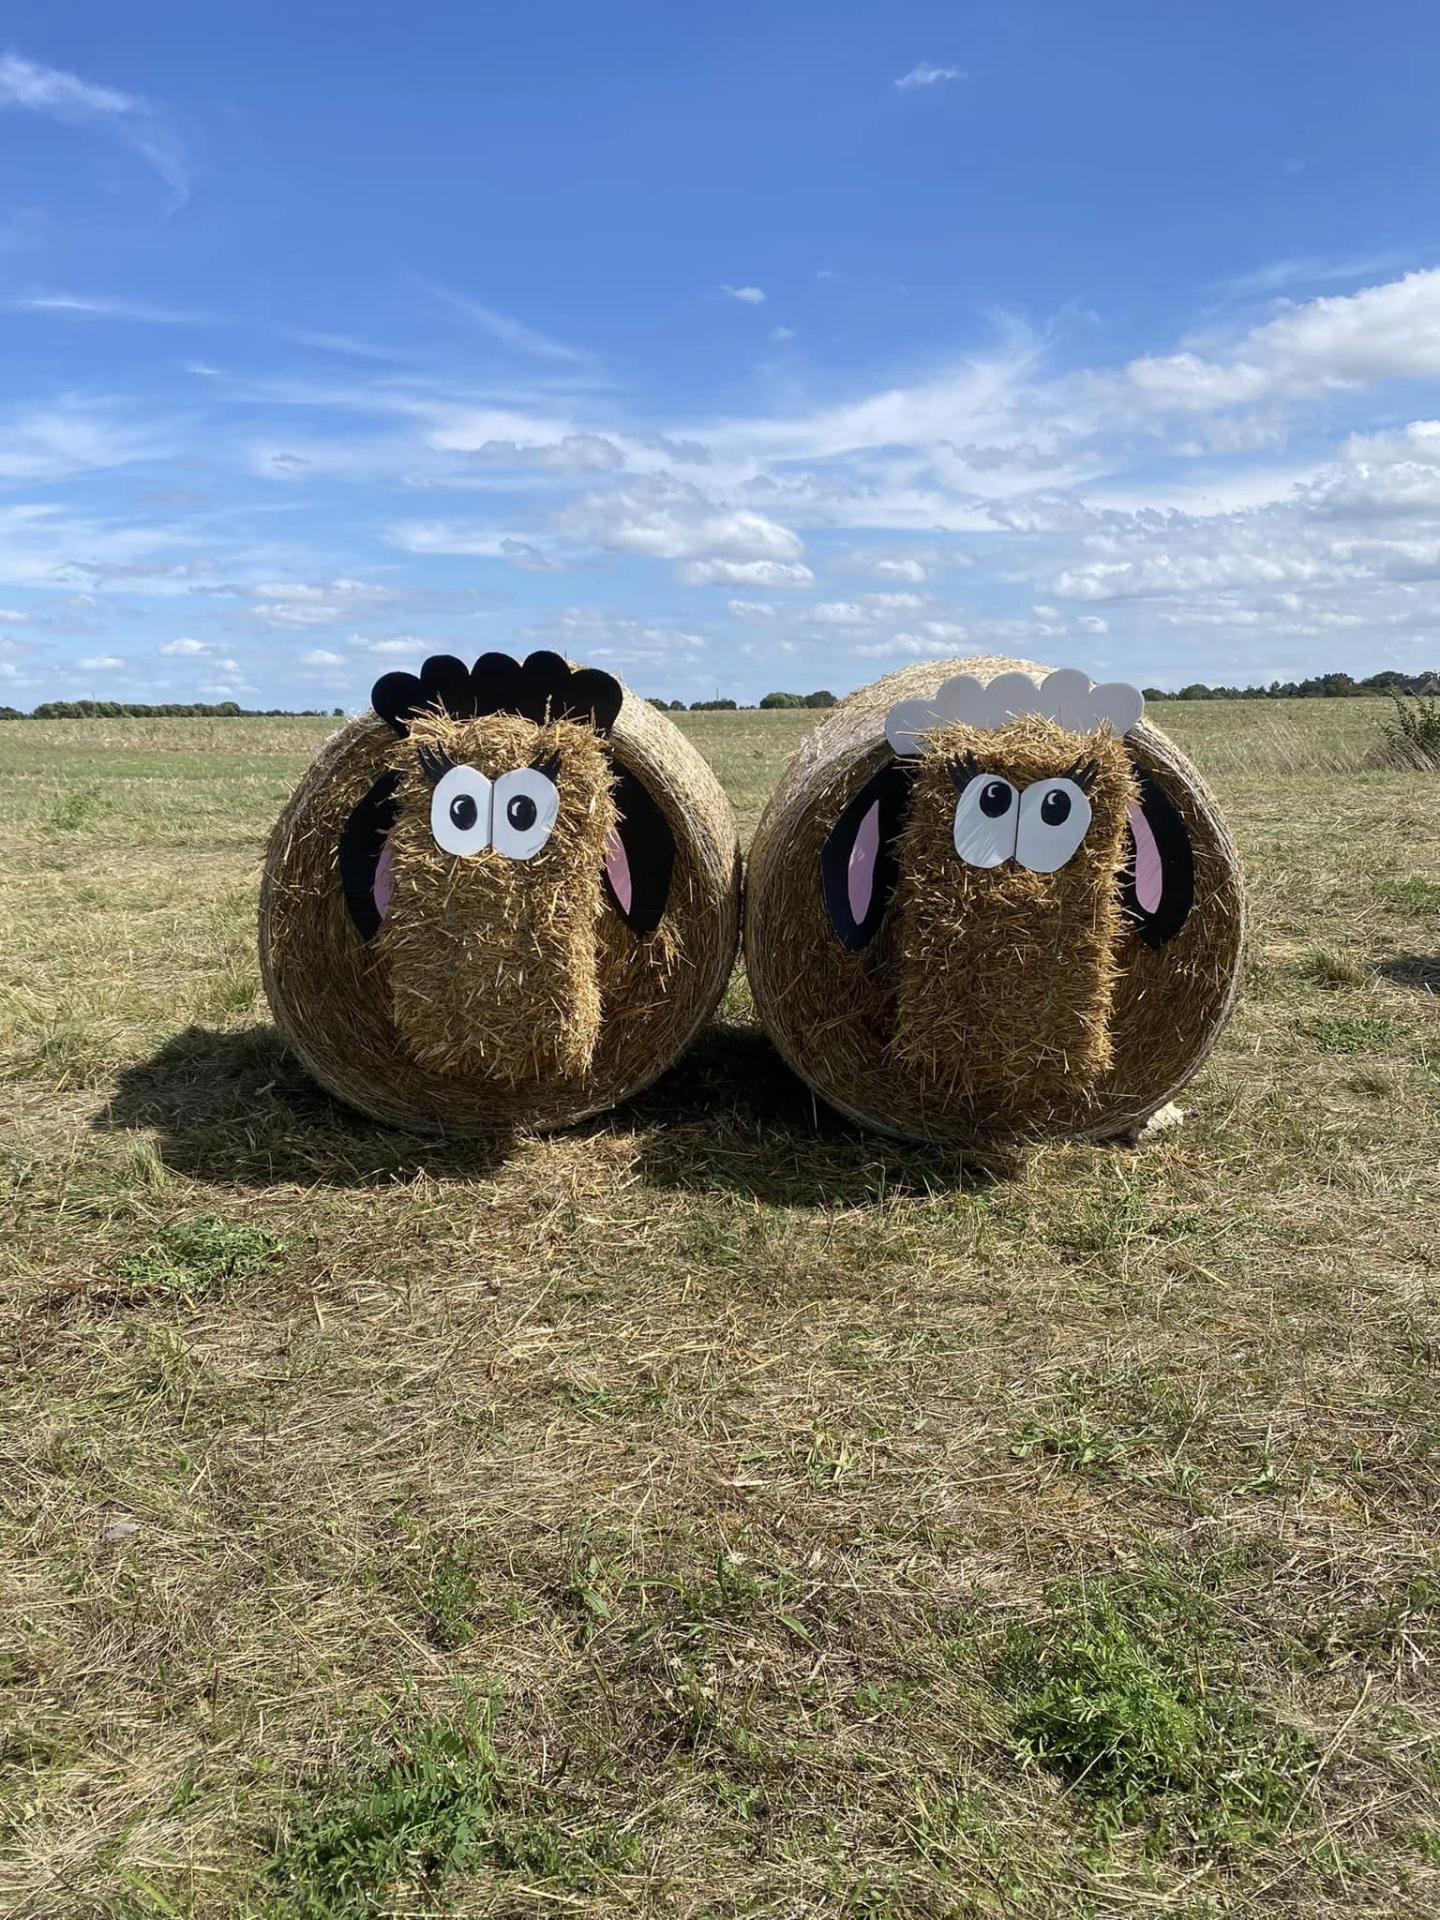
<point x="738" y="1468"/>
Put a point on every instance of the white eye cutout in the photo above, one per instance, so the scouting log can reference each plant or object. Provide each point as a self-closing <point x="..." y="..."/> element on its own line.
<point x="460" y="812"/>
<point x="987" y="818"/>
<point x="1054" y="815"/>
<point x="526" y="804"/>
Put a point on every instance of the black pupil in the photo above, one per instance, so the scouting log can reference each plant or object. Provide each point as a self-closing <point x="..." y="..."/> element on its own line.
<point x="464" y="812"/>
<point x="521" y="812"/>
<point x="995" y="799"/>
<point x="1055" y="807"/>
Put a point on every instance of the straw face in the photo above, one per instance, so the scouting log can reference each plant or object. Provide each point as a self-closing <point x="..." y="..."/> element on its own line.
<point x="1005" y="974"/>
<point x="492" y="958"/>
<point x="978" y="910"/>
<point x="493" y="919"/>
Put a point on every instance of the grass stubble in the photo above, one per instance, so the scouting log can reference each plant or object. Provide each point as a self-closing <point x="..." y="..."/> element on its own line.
<point x="713" y="1511"/>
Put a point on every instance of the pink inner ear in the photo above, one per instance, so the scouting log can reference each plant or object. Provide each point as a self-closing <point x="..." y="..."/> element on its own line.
<point x="617" y="872"/>
<point x="860" y="869"/>
<point x="383" y="884"/>
<point x="1149" y="868"/>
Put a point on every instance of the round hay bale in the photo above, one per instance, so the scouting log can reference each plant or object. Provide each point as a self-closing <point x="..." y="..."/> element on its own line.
<point x="1017" y="913"/>
<point x="507" y="898"/>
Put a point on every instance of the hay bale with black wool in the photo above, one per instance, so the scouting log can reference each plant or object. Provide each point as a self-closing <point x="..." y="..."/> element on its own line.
<point x="990" y="901"/>
<point x="506" y="898"/>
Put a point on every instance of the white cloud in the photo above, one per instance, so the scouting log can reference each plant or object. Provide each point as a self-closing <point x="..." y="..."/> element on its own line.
<point x="749" y="296"/>
<point x="743" y="573"/>
<point x="184" y="649"/>
<point x="476" y="541"/>
<point x="1309" y="270"/>
<point x="318" y="657"/>
<point x="27" y="85"/>
<point x="346" y="343"/>
<point x="298" y="604"/>
<point x="1386" y="332"/>
<point x="926" y="75"/>
<point x="671" y="520"/>
<point x="99" y="663"/>
<point x="905" y="646"/>
<point x="78" y="433"/>
<point x="781" y="334"/>
<point x="1159" y="506"/>
<point x="575" y="453"/>
<point x="102" y="307"/>
<point x="599" y="633"/>
<point x="503" y="327"/>
<point x="396" y="644"/>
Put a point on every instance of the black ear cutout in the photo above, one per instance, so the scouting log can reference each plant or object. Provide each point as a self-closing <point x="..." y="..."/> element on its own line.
<point x="1157" y="885"/>
<point x="640" y="858"/>
<point x="362" y="841"/>
<point x="858" y="867"/>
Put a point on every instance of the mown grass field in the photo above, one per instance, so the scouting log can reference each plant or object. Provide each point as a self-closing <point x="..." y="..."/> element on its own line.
<point x="714" y="1511"/>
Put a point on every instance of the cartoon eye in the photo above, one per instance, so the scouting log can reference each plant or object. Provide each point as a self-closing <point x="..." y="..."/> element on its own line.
<point x="460" y="812"/>
<point x="526" y="804"/>
<point x="986" y="816"/>
<point x="1053" y="817"/>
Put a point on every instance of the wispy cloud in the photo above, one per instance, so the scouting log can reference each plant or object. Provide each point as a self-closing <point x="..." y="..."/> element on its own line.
<point x="342" y="343"/>
<point x="102" y="307"/>
<point x="926" y="75"/>
<point x="1307" y="270"/>
<point x="750" y="296"/>
<point x="77" y="433"/>
<point x="32" y="88"/>
<point x="509" y="331"/>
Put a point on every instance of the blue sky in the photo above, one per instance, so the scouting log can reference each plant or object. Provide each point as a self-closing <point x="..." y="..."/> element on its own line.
<point x="730" y="348"/>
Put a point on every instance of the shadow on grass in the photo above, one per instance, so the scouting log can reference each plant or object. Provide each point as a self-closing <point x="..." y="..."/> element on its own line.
<point x="239" y="1109"/>
<point x="1420" y="971"/>
<point x="731" y="1118"/>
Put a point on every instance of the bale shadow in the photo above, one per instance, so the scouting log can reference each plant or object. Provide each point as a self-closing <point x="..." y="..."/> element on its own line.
<point x="238" y="1109"/>
<point x="1420" y="971"/>
<point x="731" y="1118"/>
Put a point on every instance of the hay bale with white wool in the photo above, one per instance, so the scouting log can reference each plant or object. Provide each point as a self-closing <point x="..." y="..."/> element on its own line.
<point x="506" y="898"/>
<point x="989" y="901"/>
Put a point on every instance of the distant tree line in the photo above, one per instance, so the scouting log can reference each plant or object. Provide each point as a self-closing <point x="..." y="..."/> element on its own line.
<point x="1321" y="686"/>
<point x="178" y="710"/>
<point x="822" y="699"/>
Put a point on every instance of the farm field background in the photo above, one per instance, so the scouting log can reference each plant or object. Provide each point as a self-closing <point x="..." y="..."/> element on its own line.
<point x="715" y="1510"/>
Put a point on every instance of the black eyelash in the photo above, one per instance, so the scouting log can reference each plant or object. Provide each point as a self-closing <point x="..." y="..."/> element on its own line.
<point x="1083" y="774"/>
<point x="962" y="770"/>
<point x="548" y="767"/>
<point x="435" y="763"/>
